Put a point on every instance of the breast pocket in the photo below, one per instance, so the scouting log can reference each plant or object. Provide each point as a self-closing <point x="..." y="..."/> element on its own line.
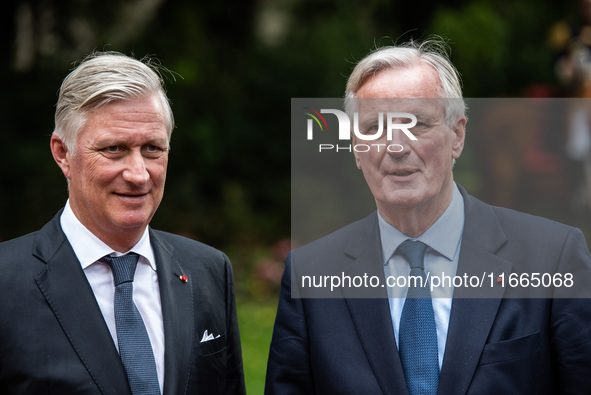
<point x="512" y="349"/>
<point x="209" y="372"/>
<point x="212" y="346"/>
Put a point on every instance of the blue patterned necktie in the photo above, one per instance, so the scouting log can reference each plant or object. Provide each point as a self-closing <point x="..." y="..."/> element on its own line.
<point x="418" y="335"/>
<point x="134" y="344"/>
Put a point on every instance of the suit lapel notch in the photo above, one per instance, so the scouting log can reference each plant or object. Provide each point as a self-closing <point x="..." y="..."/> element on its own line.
<point x="366" y="234"/>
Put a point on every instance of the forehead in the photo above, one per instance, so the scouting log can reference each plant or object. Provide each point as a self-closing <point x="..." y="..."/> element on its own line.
<point x="126" y="119"/>
<point x="406" y="89"/>
<point x="420" y="81"/>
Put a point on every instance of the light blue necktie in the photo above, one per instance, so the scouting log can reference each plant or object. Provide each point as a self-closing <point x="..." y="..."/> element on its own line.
<point x="134" y="344"/>
<point x="418" y="334"/>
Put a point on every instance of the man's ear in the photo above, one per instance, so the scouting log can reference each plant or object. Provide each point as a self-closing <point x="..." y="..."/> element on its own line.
<point x="61" y="155"/>
<point x="459" y="131"/>
<point x="357" y="160"/>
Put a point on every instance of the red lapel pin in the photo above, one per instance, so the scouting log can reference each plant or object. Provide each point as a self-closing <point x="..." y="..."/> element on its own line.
<point x="181" y="277"/>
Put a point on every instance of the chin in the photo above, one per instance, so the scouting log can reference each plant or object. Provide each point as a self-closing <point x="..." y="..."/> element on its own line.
<point x="404" y="198"/>
<point x="133" y="221"/>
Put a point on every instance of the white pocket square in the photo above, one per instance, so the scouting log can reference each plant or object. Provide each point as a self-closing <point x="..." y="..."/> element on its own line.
<point x="208" y="336"/>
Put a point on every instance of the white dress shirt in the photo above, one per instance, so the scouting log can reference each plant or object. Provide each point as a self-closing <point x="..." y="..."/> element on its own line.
<point x="443" y="240"/>
<point x="146" y="292"/>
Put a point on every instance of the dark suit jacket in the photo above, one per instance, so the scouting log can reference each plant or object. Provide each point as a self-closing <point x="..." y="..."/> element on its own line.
<point x="497" y="345"/>
<point x="54" y="340"/>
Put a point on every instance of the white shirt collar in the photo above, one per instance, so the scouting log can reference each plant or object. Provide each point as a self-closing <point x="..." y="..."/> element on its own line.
<point x="89" y="248"/>
<point x="443" y="236"/>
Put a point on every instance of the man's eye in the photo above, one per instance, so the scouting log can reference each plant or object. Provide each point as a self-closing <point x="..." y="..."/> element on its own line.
<point x="420" y="125"/>
<point x="151" y="149"/>
<point x="113" y="149"/>
<point x="373" y="129"/>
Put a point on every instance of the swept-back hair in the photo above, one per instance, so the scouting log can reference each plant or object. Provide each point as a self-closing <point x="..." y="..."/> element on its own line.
<point x="433" y="52"/>
<point x="101" y="78"/>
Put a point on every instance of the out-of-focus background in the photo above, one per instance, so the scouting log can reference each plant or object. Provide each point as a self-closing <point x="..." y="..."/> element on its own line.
<point x="236" y="66"/>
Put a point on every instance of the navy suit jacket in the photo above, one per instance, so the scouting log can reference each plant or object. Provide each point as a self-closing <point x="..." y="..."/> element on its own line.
<point x="54" y="340"/>
<point x="495" y="345"/>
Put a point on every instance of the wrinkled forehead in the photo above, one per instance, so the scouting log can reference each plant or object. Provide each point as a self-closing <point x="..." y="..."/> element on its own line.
<point x="127" y="116"/>
<point x="369" y="108"/>
<point x="418" y="81"/>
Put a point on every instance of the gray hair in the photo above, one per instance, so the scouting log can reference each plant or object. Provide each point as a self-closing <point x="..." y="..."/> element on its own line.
<point x="431" y="52"/>
<point x="101" y="78"/>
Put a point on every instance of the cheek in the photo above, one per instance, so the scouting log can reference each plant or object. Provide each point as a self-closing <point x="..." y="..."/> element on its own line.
<point x="157" y="171"/>
<point x="435" y="153"/>
<point x="93" y="169"/>
<point x="373" y="157"/>
<point x="100" y="175"/>
<point x="86" y="165"/>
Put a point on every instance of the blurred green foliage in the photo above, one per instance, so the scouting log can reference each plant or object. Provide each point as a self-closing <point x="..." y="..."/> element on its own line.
<point x="501" y="48"/>
<point x="256" y="327"/>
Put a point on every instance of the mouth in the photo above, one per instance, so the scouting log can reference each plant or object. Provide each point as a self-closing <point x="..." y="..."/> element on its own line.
<point x="402" y="172"/>
<point x="131" y="196"/>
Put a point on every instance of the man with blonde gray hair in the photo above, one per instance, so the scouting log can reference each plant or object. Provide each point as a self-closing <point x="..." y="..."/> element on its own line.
<point x="414" y="337"/>
<point x="97" y="302"/>
<point x="407" y="55"/>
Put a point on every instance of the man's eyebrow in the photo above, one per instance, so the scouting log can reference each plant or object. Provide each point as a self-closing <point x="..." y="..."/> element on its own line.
<point x="107" y="141"/>
<point x="158" y="141"/>
<point x="422" y="115"/>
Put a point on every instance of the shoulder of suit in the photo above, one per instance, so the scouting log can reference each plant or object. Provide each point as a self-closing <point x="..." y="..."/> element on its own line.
<point x="18" y="265"/>
<point x="520" y="230"/>
<point x="519" y="220"/>
<point x="185" y="245"/>
<point x="337" y="241"/>
<point x="17" y="247"/>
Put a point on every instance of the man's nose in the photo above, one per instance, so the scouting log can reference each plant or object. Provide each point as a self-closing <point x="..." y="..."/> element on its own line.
<point x="135" y="168"/>
<point x="398" y="144"/>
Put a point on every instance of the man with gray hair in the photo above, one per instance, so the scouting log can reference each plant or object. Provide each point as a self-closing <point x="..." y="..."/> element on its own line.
<point x="403" y="339"/>
<point x="97" y="302"/>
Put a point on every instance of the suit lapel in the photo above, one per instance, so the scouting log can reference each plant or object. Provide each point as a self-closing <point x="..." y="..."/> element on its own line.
<point x="371" y="316"/>
<point x="374" y="326"/>
<point x="177" y="314"/>
<point x="472" y="317"/>
<point x="69" y="295"/>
